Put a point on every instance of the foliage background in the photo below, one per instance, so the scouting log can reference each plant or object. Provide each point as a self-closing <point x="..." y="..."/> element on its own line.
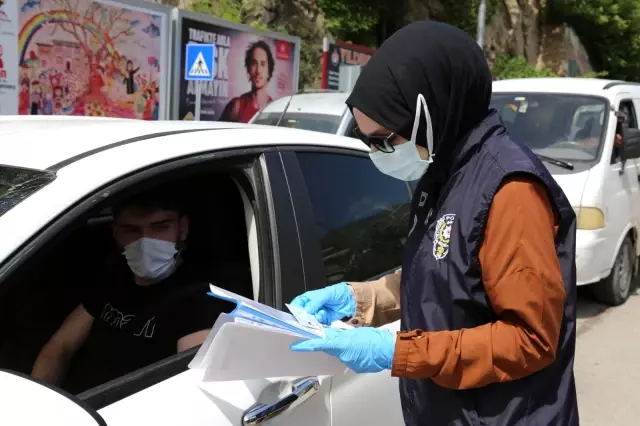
<point x="609" y="29"/>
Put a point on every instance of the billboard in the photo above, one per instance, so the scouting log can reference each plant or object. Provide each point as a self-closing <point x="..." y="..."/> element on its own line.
<point x="252" y="68"/>
<point x="8" y="57"/>
<point x="338" y="53"/>
<point x="84" y="57"/>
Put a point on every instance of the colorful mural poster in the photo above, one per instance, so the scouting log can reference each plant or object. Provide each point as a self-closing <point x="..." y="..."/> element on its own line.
<point x="83" y="57"/>
<point x="8" y="57"/>
<point x="251" y="70"/>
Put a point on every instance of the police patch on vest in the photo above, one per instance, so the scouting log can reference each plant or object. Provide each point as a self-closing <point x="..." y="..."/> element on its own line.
<point x="442" y="236"/>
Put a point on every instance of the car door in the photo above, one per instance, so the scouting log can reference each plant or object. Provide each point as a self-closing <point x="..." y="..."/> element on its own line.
<point x="169" y="393"/>
<point x="353" y="221"/>
<point x="622" y="188"/>
<point x="185" y="400"/>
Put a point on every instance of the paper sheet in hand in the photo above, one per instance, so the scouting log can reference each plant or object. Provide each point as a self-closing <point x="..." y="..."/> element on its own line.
<point x="303" y="317"/>
<point x="252" y="342"/>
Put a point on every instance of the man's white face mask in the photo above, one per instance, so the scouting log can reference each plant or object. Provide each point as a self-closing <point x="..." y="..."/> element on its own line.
<point x="150" y="258"/>
<point x="404" y="162"/>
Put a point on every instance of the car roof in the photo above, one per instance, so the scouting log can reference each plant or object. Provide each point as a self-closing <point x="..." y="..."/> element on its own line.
<point x="42" y="142"/>
<point x="581" y="86"/>
<point x="327" y="103"/>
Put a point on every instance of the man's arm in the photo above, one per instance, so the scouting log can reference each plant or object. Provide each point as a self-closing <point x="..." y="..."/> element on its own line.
<point x="53" y="359"/>
<point x="192" y="340"/>
<point x="523" y="280"/>
<point x="377" y="302"/>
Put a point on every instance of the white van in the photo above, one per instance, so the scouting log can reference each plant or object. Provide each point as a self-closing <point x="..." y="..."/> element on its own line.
<point x="571" y="123"/>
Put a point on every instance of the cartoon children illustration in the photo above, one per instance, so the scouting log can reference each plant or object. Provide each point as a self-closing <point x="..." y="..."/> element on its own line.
<point x="47" y="101"/>
<point x="58" y="99"/>
<point x="23" y="97"/>
<point x="129" y="80"/>
<point x="156" y="102"/>
<point x="147" y="114"/>
<point x="35" y="97"/>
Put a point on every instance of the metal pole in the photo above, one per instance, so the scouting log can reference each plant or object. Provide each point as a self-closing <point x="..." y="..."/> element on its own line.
<point x="482" y="10"/>
<point x="198" y="99"/>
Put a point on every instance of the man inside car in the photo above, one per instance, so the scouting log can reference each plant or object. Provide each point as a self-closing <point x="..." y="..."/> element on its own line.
<point x="145" y="306"/>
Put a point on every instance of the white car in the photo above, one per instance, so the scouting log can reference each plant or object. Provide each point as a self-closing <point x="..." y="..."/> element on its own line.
<point x="294" y="209"/>
<point x="323" y="111"/>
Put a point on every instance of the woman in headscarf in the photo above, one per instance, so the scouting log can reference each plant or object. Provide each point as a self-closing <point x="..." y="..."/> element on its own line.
<point x="487" y="291"/>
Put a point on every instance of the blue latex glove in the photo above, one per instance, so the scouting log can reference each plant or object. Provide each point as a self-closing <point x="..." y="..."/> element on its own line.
<point x="363" y="350"/>
<point x="328" y="304"/>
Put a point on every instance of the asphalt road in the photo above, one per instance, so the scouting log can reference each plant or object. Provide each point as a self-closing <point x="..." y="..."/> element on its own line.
<point x="606" y="367"/>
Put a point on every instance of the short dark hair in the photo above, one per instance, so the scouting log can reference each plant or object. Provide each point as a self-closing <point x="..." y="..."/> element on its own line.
<point x="260" y="44"/>
<point x="158" y="198"/>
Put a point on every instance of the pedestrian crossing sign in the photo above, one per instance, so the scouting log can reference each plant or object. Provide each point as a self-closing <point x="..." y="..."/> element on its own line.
<point x="200" y="61"/>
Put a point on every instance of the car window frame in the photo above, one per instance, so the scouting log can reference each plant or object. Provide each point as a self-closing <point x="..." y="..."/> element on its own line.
<point x="257" y="164"/>
<point x="312" y="252"/>
<point x="617" y="159"/>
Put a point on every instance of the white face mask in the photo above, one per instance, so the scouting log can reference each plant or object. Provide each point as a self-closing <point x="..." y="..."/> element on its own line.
<point x="405" y="163"/>
<point x="150" y="258"/>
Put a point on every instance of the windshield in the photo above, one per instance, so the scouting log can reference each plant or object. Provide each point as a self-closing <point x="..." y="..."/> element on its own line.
<point x="318" y="122"/>
<point x="16" y="184"/>
<point x="559" y="126"/>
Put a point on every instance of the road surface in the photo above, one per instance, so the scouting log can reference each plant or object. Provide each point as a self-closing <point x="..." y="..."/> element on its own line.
<point x="608" y="349"/>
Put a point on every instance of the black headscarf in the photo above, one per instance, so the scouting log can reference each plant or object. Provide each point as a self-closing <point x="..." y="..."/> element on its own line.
<point x="434" y="59"/>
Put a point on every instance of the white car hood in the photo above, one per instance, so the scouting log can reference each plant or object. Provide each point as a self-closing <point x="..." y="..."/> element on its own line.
<point x="573" y="185"/>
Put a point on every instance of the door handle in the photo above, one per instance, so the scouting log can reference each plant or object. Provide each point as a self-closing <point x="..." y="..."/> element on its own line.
<point x="302" y="390"/>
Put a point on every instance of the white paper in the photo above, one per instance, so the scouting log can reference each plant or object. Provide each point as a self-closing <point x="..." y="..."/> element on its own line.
<point x="303" y="317"/>
<point x="244" y="352"/>
<point x="239" y="348"/>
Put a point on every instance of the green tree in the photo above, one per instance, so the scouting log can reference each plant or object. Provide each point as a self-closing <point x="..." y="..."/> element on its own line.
<point x="229" y="10"/>
<point x="609" y="30"/>
<point x="518" y="67"/>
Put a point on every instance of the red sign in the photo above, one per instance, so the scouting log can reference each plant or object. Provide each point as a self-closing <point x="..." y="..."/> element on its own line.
<point x="3" y="72"/>
<point x="283" y="50"/>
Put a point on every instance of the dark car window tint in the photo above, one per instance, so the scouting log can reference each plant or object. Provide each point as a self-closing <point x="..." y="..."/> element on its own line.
<point x="361" y="214"/>
<point x="16" y="184"/>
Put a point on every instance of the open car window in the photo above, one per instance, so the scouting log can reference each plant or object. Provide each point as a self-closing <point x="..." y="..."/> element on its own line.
<point x="17" y="183"/>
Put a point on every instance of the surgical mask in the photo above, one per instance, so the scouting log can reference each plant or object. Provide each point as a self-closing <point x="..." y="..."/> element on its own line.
<point x="404" y="162"/>
<point x="150" y="258"/>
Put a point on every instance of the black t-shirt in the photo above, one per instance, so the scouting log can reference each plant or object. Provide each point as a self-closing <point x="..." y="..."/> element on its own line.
<point x="135" y="326"/>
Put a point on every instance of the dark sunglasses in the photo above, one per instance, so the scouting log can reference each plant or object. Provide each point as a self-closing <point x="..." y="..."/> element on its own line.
<point x="381" y="143"/>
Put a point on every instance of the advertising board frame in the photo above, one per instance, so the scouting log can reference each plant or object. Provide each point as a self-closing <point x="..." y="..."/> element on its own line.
<point x="166" y="34"/>
<point x="178" y="15"/>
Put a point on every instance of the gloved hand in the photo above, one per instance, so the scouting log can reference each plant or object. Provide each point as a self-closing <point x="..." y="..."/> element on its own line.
<point x="328" y="304"/>
<point x="363" y="350"/>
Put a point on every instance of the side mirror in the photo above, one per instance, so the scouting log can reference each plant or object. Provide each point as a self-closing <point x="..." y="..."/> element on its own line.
<point x="35" y="403"/>
<point x="630" y="143"/>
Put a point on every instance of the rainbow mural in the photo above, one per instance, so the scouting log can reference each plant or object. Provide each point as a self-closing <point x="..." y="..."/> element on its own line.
<point x="104" y="61"/>
<point x="33" y="25"/>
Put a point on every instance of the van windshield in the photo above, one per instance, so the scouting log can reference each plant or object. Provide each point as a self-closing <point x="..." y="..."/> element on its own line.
<point x="324" y="123"/>
<point x="16" y="184"/>
<point x="565" y="127"/>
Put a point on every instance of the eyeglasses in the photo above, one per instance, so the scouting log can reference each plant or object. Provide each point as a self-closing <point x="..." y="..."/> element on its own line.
<point x="381" y="143"/>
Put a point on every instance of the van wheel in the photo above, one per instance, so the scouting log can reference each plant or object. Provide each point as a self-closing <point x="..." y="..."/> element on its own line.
<point x="614" y="290"/>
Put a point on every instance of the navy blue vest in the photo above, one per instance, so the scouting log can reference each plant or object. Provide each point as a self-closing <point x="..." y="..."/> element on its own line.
<point x="442" y="286"/>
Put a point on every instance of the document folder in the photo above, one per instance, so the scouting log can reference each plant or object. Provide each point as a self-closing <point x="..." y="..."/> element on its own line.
<point x="252" y="342"/>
